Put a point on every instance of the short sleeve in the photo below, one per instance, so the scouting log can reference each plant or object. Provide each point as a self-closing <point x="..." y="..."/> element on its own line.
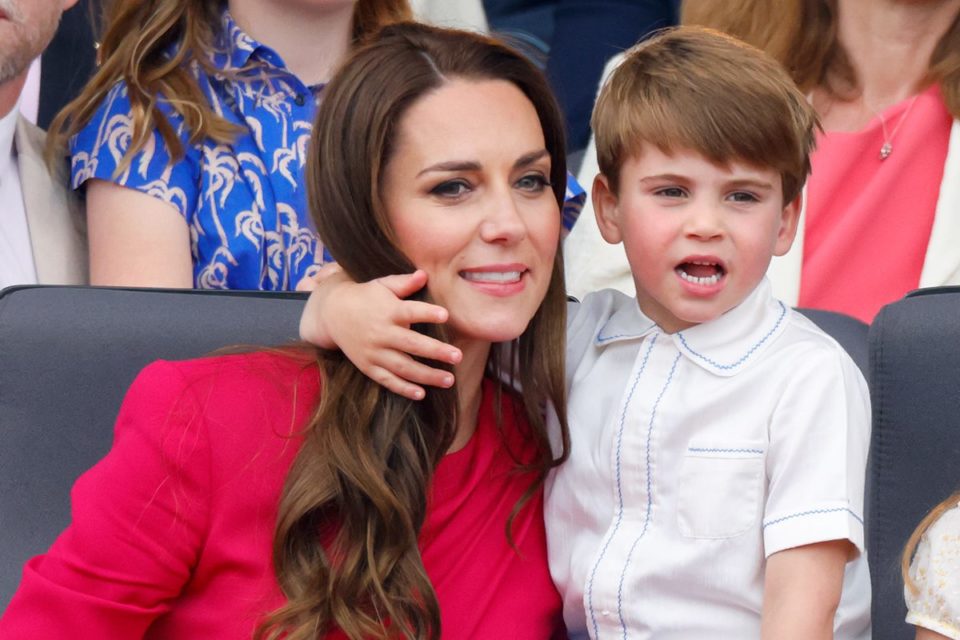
<point x="97" y="150"/>
<point x="819" y="435"/>
<point x="935" y="571"/>
<point x="138" y="523"/>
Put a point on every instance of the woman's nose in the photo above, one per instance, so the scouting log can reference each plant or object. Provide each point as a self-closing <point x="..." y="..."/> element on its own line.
<point x="503" y="221"/>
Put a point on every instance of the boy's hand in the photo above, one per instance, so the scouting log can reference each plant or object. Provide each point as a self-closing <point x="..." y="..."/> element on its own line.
<point x="370" y="323"/>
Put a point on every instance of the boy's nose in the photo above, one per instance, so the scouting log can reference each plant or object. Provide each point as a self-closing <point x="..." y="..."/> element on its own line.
<point x="704" y="221"/>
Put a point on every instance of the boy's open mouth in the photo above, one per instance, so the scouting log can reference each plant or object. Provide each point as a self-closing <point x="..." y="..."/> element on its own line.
<point x="701" y="272"/>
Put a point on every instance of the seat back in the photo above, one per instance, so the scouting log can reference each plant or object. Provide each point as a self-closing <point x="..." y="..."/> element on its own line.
<point x="915" y="389"/>
<point x="67" y="356"/>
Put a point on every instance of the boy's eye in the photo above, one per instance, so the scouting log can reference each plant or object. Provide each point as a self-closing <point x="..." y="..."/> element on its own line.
<point x="743" y="196"/>
<point x="533" y="182"/>
<point x="451" y="189"/>
<point x="671" y="192"/>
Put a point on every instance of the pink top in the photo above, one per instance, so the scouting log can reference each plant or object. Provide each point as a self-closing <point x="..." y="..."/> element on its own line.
<point x="172" y="531"/>
<point x="868" y="220"/>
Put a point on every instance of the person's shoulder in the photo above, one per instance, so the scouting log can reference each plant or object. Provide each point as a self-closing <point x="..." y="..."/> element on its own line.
<point x="803" y="341"/>
<point x="596" y="307"/>
<point x="946" y="529"/>
<point x="267" y="368"/>
<point x="275" y="384"/>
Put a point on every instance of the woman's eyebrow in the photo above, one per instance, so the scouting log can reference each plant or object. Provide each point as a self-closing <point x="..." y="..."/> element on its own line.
<point x="529" y="158"/>
<point x="472" y="165"/>
<point x="452" y="165"/>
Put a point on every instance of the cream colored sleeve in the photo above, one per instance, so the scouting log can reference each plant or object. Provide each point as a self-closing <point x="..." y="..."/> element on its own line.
<point x="936" y="572"/>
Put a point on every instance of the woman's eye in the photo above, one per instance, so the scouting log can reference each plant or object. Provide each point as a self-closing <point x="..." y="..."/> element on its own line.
<point x="451" y="189"/>
<point x="534" y="182"/>
<point x="743" y="196"/>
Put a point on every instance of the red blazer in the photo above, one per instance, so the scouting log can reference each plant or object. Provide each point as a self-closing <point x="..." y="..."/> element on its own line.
<point x="172" y="531"/>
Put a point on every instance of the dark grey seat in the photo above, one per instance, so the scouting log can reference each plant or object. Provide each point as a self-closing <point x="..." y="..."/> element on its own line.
<point x="67" y="356"/>
<point x="915" y="448"/>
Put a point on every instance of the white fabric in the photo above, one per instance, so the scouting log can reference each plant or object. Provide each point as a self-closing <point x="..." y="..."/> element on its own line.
<point x="460" y="14"/>
<point x="16" y="254"/>
<point x="30" y="94"/>
<point x="936" y="572"/>
<point x="592" y="264"/>
<point x="694" y="456"/>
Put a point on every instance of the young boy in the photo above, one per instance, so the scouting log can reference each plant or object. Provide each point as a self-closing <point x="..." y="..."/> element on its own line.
<point x="718" y="438"/>
<point x="714" y="487"/>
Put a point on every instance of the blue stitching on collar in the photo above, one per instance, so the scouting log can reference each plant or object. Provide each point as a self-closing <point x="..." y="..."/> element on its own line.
<point x="616" y="526"/>
<point x="811" y="513"/>
<point x="719" y="450"/>
<point x="619" y="335"/>
<point x="783" y="313"/>
<point x="646" y="520"/>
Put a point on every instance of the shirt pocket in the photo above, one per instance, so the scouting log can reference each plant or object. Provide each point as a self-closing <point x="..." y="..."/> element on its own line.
<point x="721" y="486"/>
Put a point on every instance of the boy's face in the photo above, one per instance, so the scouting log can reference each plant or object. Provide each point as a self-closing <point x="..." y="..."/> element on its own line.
<point x="698" y="236"/>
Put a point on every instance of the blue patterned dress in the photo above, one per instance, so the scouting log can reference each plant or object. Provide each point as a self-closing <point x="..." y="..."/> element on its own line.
<point x="245" y="202"/>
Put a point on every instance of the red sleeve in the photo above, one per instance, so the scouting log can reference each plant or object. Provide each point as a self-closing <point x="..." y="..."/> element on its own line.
<point x="139" y="521"/>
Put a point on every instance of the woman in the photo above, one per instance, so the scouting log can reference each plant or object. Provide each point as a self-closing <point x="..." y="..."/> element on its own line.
<point x="391" y="516"/>
<point x="190" y="140"/>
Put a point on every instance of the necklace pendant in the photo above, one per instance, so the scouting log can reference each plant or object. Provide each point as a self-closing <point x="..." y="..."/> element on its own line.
<point x="886" y="150"/>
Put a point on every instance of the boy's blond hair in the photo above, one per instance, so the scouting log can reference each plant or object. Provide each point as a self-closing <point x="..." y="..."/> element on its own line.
<point x="698" y="89"/>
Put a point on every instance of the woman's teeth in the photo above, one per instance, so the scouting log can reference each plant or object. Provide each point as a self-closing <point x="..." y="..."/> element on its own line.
<point x="492" y="276"/>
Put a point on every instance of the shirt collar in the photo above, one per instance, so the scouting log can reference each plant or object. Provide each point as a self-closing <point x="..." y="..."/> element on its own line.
<point x="8" y="127"/>
<point x="724" y="346"/>
<point x="235" y="47"/>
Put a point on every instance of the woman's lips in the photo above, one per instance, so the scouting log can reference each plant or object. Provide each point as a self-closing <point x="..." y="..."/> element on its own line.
<point x="499" y="280"/>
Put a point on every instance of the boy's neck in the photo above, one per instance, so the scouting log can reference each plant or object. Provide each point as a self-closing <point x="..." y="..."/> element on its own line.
<point x="312" y="42"/>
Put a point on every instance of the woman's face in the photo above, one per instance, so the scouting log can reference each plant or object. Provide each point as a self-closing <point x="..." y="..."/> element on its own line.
<point x="468" y="196"/>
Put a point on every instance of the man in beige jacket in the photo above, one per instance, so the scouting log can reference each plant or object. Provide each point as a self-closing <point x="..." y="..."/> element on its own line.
<point x="41" y="224"/>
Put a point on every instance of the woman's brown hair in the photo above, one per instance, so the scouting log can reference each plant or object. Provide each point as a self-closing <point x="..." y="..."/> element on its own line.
<point x="360" y="479"/>
<point x="152" y="45"/>
<point x="925" y="524"/>
<point x="802" y="35"/>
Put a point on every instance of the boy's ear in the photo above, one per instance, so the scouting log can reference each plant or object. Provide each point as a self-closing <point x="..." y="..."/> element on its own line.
<point x="789" y="222"/>
<point x="606" y="209"/>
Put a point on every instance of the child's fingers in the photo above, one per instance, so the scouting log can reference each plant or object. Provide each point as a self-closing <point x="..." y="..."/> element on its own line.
<point x="416" y="344"/>
<point x="397" y="385"/>
<point x="406" y="284"/>
<point x="413" y="311"/>
<point x="409" y="370"/>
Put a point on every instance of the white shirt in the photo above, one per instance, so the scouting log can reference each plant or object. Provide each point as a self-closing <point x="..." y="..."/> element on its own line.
<point x="935" y="571"/>
<point x="694" y="457"/>
<point x="16" y="252"/>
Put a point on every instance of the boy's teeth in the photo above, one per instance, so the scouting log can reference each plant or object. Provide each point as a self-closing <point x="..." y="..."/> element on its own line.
<point x="701" y="280"/>
<point x="492" y="276"/>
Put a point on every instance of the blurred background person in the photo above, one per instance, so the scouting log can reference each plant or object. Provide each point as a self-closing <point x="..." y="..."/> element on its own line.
<point x="189" y="142"/>
<point x="41" y="236"/>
